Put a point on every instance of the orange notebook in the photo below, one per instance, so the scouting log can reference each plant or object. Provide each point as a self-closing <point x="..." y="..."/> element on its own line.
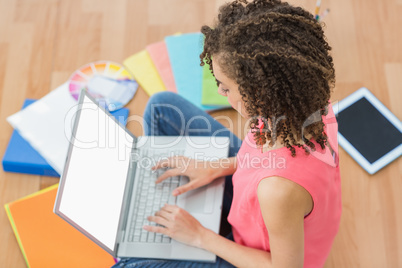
<point x="48" y="241"/>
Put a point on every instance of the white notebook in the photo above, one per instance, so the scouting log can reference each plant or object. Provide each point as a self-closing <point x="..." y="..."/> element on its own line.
<point x="46" y="125"/>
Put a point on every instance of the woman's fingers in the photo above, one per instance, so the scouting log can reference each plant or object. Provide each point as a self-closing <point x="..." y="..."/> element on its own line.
<point x="176" y="164"/>
<point x="170" y="208"/>
<point x="191" y="185"/>
<point x="159" y="220"/>
<point x="163" y="217"/>
<point x="178" y="167"/>
<point x="164" y="163"/>
<point x="156" y="229"/>
<point x="169" y="173"/>
<point x="172" y="162"/>
<point x="185" y="188"/>
<point x="164" y="214"/>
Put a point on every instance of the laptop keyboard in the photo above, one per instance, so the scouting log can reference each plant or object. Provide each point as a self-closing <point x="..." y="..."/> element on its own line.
<point x="149" y="198"/>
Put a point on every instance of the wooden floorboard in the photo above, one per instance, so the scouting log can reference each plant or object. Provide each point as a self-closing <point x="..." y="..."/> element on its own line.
<point x="42" y="42"/>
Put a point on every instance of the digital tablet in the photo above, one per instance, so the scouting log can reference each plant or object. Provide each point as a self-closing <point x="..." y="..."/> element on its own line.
<point x="368" y="131"/>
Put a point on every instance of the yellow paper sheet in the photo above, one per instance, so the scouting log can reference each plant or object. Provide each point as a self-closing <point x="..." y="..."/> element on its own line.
<point x="144" y="71"/>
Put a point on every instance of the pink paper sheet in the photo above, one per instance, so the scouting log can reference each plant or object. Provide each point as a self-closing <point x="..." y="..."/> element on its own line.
<point x="160" y="57"/>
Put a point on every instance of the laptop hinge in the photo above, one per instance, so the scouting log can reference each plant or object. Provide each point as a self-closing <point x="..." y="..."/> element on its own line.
<point x="127" y="197"/>
<point x="116" y="253"/>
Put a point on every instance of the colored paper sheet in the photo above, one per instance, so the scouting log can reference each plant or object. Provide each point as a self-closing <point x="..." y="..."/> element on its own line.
<point x="21" y="157"/>
<point x="48" y="241"/>
<point x="144" y="71"/>
<point x="160" y="57"/>
<point x="184" y="54"/>
<point x="210" y="95"/>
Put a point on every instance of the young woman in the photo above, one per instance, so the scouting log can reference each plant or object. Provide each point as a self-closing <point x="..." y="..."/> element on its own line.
<point x="271" y="60"/>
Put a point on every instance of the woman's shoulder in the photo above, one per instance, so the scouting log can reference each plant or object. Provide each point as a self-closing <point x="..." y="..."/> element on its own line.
<point x="284" y="194"/>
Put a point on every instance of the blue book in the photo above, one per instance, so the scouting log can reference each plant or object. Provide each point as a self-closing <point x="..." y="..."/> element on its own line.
<point x="20" y="157"/>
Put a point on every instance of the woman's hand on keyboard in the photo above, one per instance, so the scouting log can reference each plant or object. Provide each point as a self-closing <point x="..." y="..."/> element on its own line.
<point x="178" y="224"/>
<point x="200" y="173"/>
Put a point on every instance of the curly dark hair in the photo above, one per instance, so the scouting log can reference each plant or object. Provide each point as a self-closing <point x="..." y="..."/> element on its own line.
<point x="279" y="57"/>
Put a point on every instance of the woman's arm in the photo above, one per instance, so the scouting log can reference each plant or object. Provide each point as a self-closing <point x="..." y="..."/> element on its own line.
<point x="181" y="226"/>
<point x="224" y="166"/>
<point x="238" y="255"/>
<point x="283" y="205"/>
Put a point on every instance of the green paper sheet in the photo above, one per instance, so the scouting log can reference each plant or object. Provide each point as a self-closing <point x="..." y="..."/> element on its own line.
<point x="210" y="95"/>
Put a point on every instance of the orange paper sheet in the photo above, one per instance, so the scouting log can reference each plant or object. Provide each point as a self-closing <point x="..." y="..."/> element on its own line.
<point x="48" y="241"/>
<point x="159" y="55"/>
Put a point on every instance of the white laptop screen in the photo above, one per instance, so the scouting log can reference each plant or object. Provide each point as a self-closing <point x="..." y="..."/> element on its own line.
<point x="95" y="177"/>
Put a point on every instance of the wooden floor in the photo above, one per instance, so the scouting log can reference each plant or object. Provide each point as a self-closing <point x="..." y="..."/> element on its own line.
<point x="43" y="41"/>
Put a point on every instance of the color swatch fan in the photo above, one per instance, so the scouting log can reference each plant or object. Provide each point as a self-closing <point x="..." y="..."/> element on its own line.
<point x="108" y="82"/>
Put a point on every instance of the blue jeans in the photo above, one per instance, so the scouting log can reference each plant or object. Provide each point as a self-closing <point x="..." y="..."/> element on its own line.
<point x="169" y="114"/>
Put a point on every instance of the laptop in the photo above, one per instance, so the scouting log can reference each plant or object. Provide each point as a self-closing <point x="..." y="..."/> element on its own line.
<point x="107" y="187"/>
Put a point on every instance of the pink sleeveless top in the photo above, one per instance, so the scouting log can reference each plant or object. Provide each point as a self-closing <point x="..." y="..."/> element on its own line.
<point x="318" y="173"/>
